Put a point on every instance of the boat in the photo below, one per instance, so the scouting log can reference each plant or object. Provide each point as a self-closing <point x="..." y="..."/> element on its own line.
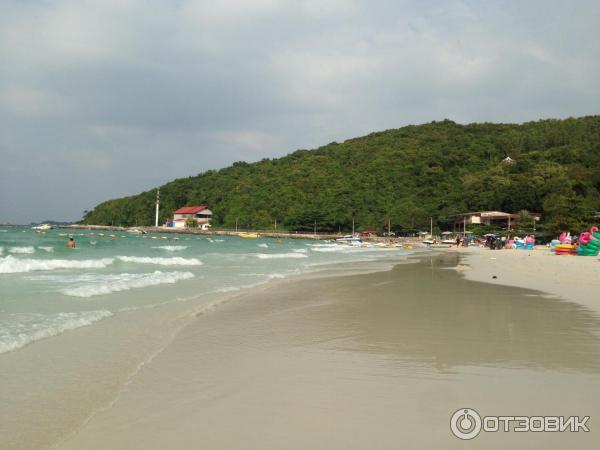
<point x="42" y="227"/>
<point x="248" y="235"/>
<point x="349" y="239"/>
<point x="136" y="231"/>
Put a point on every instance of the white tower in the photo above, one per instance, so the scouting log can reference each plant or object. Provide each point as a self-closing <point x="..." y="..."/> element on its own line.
<point x="157" y="203"/>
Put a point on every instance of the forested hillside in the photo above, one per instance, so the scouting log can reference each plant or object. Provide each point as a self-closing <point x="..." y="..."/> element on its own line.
<point x="402" y="175"/>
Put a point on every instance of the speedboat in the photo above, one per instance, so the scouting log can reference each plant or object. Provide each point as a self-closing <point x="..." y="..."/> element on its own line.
<point x="42" y="227"/>
<point x="349" y="239"/>
<point x="136" y="231"/>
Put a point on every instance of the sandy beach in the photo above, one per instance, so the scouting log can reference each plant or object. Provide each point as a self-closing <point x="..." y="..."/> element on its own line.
<point x="377" y="361"/>
<point x="571" y="278"/>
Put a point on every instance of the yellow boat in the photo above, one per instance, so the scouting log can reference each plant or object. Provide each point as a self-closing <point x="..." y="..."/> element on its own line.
<point x="248" y="235"/>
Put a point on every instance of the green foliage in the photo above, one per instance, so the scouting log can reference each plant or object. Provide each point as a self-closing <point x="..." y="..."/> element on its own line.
<point x="403" y="175"/>
<point x="191" y="222"/>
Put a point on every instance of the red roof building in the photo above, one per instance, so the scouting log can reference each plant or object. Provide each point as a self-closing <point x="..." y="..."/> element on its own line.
<point x="200" y="213"/>
<point x="189" y="210"/>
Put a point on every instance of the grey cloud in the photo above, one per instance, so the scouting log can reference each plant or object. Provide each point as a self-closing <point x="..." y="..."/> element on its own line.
<point x="100" y="99"/>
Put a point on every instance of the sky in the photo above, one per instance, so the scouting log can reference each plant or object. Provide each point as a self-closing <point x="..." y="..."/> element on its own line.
<point x="101" y="99"/>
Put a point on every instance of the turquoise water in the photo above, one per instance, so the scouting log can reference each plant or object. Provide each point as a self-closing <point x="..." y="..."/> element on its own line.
<point x="47" y="289"/>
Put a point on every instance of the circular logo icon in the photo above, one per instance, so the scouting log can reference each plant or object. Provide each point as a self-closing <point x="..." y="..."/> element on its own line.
<point x="465" y="423"/>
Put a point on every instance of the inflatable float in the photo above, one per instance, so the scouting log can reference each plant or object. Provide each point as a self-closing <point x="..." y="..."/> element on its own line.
<point x="589" y="243"/>
<point x="565" y="249"/>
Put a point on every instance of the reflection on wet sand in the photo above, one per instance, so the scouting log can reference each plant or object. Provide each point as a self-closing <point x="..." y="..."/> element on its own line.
<point x="438" y="318"/>
<point x="380" y="360"/>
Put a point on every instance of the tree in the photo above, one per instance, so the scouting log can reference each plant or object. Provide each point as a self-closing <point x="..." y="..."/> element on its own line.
<point x="191" y="222"/>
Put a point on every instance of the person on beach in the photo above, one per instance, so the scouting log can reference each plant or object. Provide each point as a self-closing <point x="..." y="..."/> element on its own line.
<point x="70" y="243"/>
<point x="458" y="241"/>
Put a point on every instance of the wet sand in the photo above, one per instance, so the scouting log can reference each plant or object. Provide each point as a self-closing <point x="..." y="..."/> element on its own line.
<point x="374" y="361"/>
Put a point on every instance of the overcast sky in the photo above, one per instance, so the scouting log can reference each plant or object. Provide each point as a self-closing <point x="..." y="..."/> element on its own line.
<point x="106" y="98"/>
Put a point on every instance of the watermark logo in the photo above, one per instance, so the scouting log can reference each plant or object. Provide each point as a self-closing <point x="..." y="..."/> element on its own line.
<point x="466" y="423"/>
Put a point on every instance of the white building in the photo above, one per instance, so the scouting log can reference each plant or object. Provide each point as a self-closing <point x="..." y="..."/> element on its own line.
<point x="201" y="214"/>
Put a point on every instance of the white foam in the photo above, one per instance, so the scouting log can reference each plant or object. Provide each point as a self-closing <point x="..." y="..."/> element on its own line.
<point x="280" y="255"/>
<point x="300" y="250"/>
<point x="275" y="276"/>
<point x="22" y="329"/>
<point x="263" y="245"/>
<point x="227" y="289"/>
<point x="125" y="282"/>
<point x="46" y="249"/>
<point x="1" y="250"/>
<point x="22" y="250"/>
<point x="10" y="264"/>
<point x="171" y="248"/>
<point x="329" y="248"/>
<point x="175" y="261"/>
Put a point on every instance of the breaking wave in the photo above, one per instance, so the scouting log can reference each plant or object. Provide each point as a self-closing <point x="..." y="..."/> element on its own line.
<point x="10" y="264"/>
<point x="280" y="255"/>
<point x="25" y="328"/>
<point x="21" y="250"/>
<point x="175" y="261"/>
<point x="171" y="248"/>
<point x="125" y="282"/>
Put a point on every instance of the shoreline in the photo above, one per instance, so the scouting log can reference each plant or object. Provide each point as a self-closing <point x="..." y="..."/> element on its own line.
<point x="270" y="367"/>
<point x="269" y="234"/>
<point x="262" y="233"/>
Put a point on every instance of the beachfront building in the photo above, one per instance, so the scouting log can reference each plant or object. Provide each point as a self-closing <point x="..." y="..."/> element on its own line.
<point x="201" y="214"/>
<point x="498" y="218"/>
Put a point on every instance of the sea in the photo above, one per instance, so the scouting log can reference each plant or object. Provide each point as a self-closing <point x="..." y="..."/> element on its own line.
<point x="76" y="324"/>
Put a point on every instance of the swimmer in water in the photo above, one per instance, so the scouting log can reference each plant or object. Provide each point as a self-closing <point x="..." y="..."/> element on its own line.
<point x="71" y="243"/>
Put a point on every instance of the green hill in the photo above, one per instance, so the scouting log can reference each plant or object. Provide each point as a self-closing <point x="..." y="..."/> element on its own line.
<point x="405" y="175"/>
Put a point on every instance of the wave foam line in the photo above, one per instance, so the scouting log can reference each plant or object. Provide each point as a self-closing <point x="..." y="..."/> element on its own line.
<point x="27" y="328"/>
<point x="127" y="282"/>
<point x="21" y="250"/>
<point x="280" y="255"/>
<point x="10" y="264"/>
<point x="175" y="261"/>
<point x="171" y="248"/>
